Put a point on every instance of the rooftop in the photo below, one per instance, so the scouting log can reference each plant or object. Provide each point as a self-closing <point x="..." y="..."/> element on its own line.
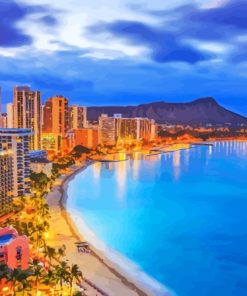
<point x="39" y="160"/>
<point x="5" y="239"/>
<point x="13" y="131"/>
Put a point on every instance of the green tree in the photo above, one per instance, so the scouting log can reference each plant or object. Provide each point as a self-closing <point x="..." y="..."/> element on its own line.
<point x="4" y="272"/>
<point x="74" y="274"/>
<point x="61" y="252"/>
<point x="50" y="278"/>
<point x="18" y="277"/>
<point x="62" y="274"/>
<point x="38" y="271"/>
<point x="50" y="253"/>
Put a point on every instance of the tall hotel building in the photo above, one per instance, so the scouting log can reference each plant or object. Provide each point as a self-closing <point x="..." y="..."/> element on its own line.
<point x="27" y="113"/>
<point x="10" y="114"/>
<point x="107" y="128"/>
<point x="78" y="117"/>
<point x="6" y="179"/>
<point x="55" y="124"/>
<point x="115" y="130"/>
<point x="135" y="129"/>
<point x="15" y="142"/>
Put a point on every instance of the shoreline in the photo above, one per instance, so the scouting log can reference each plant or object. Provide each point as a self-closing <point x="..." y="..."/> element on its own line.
<point x="104" y="273"/>
<point x="107" y="273"/>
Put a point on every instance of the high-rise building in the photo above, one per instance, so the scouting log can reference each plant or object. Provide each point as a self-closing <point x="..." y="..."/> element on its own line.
<point x="6" y="179"/>
<point x="78" y="117"/>
<point x="10" y="115"/>
<point x="55" y="124"/>
<point x="27" y="113"/>
<point x="117" y="129"/>
<point x="107" y="128"/>
<point x="17" y="142"/>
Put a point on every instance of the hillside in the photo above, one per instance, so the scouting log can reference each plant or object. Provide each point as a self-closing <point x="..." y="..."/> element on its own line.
<point x="200" y="111"/>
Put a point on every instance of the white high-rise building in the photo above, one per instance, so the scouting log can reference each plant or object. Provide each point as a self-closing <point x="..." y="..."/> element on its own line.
<point x="6" y="179"/>
<point x="16" y="141"/>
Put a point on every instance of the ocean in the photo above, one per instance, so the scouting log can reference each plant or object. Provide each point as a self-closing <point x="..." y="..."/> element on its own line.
<point x="180" y="218"/>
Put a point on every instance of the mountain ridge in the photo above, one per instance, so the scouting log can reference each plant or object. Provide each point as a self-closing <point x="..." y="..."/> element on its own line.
<point x="201" y="111"/>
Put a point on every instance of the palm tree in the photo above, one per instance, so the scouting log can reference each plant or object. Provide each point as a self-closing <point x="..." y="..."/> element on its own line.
<point x="4" y="271"/>
<point x="37" y="271"/>
<point x="16" y="276"/>
<point x="74" y="273"/>
<point x="49" y="253"/>
<point x="50" y="278"/>
<point x="62" y="274"/>
<point x="61" y="252"/>
<point x="44" y="211"/>
<point x="26" y="284"/>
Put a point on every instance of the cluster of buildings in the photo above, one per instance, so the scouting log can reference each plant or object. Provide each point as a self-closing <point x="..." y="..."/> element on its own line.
<point x="57" y="127"/>
<point x="29" y="131"/>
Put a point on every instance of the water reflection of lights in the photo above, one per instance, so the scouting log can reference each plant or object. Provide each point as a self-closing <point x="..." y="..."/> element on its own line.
<point x="229" y="147"/>
<point x="210" y="150"/>
<point x="176" y="164"/>
<point x="121" y="178"/>
<point x="187" y="157"/>
<point x="136" y="168"/>
<point x="96" y="171"/>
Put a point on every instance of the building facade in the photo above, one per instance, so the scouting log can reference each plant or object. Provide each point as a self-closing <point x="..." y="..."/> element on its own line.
<point x="87" y="137"/>
<point x="107" y="129"/>
<point x="119" y="130"/>
<point x="17" y="142"/>
<point x="4" y="120"/>
<point x="27" y="113"/>
<point x="10" y="115"/>
<point x="41" y="165"/>
<point x="78" y="117"/>
<point x="14" y="249"/>
<point x="6" y="179"/>
<point x="55" y="124"/>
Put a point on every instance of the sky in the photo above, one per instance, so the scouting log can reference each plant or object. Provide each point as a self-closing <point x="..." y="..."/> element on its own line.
<point x="125" y="52"/>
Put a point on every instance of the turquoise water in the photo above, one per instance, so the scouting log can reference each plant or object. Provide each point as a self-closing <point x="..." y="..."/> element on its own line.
<point x="181" y="217"/>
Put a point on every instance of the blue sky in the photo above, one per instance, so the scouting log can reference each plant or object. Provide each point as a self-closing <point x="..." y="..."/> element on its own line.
<point x="126" y="51"/>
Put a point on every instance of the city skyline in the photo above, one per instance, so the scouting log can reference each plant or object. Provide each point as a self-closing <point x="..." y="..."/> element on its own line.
<point x="123" y="147"/>
<point x="172" y="52"/>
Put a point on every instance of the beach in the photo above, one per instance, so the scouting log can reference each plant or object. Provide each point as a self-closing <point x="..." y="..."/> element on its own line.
<point x="95" y="266"/>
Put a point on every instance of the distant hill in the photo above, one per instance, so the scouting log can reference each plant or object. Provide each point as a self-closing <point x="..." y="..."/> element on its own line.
<point x="200" y="111"/>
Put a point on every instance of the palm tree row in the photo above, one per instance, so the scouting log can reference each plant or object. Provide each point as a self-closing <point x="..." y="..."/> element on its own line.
<point x="60" y="276"/>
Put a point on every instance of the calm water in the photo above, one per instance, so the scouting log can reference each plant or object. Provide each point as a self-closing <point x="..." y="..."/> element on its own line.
<point x="182" y="216"/>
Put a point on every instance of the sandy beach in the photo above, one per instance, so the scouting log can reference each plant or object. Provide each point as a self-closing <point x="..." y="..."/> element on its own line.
<point x="95" y="266"/>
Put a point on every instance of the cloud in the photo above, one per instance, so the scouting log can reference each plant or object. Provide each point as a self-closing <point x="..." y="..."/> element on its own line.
<point x="186" y="33"/>
<point x="225" y="20"/>
<point x="11" y="14"/>
<point x="48" y="20"/>
<point x="163" y="44"/>
<point x="231" y="14"/>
